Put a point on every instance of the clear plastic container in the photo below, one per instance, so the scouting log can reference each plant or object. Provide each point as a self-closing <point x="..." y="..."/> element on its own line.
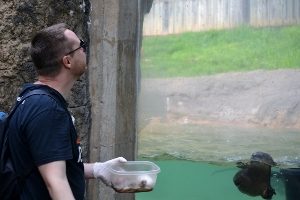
<point x="134" y="176"/>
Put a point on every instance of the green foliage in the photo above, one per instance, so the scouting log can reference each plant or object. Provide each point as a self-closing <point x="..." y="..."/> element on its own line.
<point x="219" y="51"/>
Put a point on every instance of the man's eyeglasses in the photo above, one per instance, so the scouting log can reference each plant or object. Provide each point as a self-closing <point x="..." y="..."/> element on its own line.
<point x="82" y="45"/>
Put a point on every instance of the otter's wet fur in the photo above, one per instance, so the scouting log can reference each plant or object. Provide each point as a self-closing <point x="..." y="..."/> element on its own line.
<point x="254" y="179"/>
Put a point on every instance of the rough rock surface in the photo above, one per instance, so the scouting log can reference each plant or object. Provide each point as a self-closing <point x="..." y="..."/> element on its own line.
<point x="19" y="20"/>
<point x="257" y="98"/>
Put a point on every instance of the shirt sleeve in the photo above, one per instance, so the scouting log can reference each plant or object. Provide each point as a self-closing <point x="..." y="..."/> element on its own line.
<point x="48" y="137"/>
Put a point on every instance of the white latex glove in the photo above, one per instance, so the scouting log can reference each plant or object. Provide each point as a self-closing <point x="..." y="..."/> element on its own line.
<point x="101" y="170"/>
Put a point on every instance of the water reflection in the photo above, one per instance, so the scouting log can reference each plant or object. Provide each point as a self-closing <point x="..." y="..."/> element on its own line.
<point x="219" y="144"/>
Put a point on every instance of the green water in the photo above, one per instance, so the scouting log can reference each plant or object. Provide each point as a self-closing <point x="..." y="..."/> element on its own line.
<point x="187" y="180"/>
<point x="198" y="162"/>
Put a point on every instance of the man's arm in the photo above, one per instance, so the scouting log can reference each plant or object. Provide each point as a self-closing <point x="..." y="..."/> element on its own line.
<point x="55" y="178"/>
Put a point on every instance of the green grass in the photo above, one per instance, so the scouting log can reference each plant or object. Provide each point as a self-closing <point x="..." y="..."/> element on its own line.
<point x="219" y="51"/>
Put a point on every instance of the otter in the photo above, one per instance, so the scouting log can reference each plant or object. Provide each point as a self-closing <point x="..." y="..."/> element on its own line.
<point x="254" y="177"/>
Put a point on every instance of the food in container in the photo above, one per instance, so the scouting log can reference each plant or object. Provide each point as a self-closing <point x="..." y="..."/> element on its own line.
<point x="134" y="176"/>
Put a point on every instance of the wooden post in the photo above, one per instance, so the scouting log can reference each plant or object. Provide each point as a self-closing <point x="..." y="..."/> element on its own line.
<point x="114" y="49"/>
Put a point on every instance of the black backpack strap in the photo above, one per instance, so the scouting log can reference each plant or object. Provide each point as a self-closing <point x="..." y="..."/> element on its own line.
<point x="20" y="100"/>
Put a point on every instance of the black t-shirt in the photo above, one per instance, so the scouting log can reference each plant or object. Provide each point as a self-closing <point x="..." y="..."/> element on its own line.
<point x="41" y="131"/>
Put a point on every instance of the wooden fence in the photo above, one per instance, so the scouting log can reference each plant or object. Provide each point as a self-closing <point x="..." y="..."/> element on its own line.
<point x="176" y="16"/>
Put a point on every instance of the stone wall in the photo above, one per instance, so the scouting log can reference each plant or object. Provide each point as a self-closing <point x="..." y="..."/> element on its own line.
<point x="19" y="20"/>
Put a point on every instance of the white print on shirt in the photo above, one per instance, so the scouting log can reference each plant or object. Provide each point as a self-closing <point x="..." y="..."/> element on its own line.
<point x="73" y="119"/>
<point x="80" y="154"/>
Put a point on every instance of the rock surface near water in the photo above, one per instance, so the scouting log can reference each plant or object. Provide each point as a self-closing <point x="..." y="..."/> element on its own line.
<point x="256" y="98"/>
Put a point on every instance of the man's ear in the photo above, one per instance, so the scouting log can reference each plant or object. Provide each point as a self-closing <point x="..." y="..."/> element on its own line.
<point x="66" y="62"/>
